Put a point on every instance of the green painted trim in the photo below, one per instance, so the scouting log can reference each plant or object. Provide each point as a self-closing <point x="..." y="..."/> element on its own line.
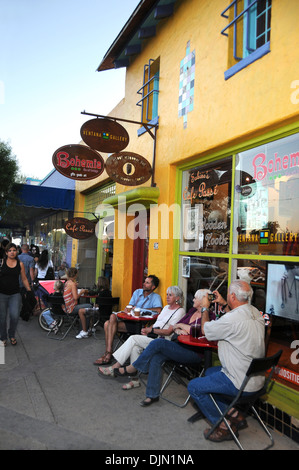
<point x="99" y="250"/>
<point x="176" y="242"/>
<point x="284" y="398"/>
<point x="269" y="136"/>
<point x="144" y="195"/>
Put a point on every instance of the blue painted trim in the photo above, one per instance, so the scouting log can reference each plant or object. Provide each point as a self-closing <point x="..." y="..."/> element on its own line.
<point x="142" y="130"/>
<point x="258" y="54"/>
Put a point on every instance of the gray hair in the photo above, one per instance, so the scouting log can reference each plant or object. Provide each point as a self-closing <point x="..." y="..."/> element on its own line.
<point x="242" y="290"/>
<point x="177" y="291"/>
<point x="200" y="293"/>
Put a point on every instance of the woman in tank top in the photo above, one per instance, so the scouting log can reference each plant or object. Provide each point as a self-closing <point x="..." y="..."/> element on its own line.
<point x="10" y="298"/>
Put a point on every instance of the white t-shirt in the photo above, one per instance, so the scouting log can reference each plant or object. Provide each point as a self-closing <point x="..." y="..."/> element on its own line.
<point x="41" y="273"/>
<point x="168" y="317"/>
<point x="241" y="337"/>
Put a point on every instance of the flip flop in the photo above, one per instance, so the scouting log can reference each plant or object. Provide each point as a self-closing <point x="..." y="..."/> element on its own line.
<point x="132" y="384"/>
<point x="13" y="341"/>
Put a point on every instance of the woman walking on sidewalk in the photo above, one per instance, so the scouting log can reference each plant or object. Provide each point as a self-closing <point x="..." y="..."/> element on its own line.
<point x="10" y="298"/>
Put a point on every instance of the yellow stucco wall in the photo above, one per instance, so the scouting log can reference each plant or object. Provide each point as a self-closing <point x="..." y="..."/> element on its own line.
<point x="226" y="112"/>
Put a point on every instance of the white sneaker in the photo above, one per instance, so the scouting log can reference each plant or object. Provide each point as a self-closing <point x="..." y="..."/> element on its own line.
<point x="82" y="334"/>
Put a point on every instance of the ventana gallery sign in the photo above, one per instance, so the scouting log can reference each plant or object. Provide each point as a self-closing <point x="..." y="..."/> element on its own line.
<point x="83" y="162"/>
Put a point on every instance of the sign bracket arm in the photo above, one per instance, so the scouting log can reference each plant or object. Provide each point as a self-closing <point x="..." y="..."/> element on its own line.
<point x="147" y="126"/>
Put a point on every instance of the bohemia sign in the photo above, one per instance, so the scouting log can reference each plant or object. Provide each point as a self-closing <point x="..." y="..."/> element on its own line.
<point x="79" y="228"/>
<point x="105" y="135"/>
<point x="78" y="162"/>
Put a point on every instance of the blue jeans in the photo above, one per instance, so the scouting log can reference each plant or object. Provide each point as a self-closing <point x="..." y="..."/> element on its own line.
<point x="152" y="358"/>
<point x="217" y="383"/>
<point x="48" y="317"/>
<point x="12" y="304"/>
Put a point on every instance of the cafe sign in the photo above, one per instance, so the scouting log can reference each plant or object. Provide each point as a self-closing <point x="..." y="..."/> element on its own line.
<point x="79" y="228"/>
<point x="78" y="162"/>
<point x="104" y="135"/>
<point x="128" y="168"/>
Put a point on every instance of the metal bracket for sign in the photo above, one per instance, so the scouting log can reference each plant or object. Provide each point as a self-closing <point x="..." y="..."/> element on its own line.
<point x="85" y="212"/>
<point x="148" y="127"/>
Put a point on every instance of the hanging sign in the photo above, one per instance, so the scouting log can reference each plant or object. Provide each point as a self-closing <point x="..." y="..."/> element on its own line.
<point x="129" y="169"/>
<point x="104" y="135"/>
<point x="78" y="162"/>
<point x="79" y="228"/>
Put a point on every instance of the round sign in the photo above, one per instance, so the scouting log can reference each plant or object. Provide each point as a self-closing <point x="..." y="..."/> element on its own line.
<point x="79" y="228"/>
<point x="129" y="169"/>
<point x="104" y="135"/>
<point x="78" y="162"/>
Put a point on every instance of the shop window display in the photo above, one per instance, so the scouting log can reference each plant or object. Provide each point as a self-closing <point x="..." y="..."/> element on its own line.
<point x="206" y="208"/>
<point x="266" y="199"/>
<point x="202" y="273"/>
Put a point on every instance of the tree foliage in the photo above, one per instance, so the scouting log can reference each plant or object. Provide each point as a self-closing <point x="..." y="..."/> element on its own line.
<point x="8" y="177"/>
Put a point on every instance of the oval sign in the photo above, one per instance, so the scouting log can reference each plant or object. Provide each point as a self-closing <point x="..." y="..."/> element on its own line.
<point x="78" y="162"/>
<point x="127" y="168"/>
<point x="79" y="228"/>
<point x="104" y="135"/>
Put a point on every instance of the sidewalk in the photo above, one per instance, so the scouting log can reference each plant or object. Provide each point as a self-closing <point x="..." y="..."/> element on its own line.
<point x="51" y="398"/>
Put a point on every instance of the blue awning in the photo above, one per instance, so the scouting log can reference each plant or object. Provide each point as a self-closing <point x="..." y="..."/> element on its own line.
<point x="46" y="198"/>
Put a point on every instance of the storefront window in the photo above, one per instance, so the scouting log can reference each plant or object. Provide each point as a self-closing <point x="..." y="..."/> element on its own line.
<point x="202" y="273"/>
<point x="206" y="208"/>
<point x="49" y="234"/>
<point x="266" y="199"/>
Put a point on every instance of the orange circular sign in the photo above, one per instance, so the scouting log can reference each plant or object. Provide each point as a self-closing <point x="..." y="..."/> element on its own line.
<point x="78" y="162"/>
<point x="104" y="135"/>
<point x="129" y="169"/>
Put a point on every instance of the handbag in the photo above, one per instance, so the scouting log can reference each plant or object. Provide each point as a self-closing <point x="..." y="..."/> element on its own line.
<point x="154" y="335"/>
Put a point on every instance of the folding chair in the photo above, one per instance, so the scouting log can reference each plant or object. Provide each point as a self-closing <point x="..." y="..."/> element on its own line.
<point x="106" y="304"/>
<point x="257" y="366"/>
<point x="68" y="320"/>
<point x="181" y="374"/>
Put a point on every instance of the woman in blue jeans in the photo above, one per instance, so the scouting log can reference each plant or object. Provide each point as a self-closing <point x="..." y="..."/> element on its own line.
<point x="152" y="358"/>
<point x="10" y="298"/>
<point x="161" y="350"/>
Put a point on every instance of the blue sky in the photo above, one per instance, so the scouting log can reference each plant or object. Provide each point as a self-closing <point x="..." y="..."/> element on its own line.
<point x="49" y="53"/>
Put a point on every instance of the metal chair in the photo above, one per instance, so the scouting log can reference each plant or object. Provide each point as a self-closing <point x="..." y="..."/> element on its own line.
<point x="65" y="322"/>
<point x="181" y="374"/>
<point x="106" y="304"/>
<point x="257" y="366"/>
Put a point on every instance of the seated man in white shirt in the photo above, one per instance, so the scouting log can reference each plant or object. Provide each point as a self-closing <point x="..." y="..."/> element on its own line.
<point x="146" y="299"/>
<point x="241" y="337"/>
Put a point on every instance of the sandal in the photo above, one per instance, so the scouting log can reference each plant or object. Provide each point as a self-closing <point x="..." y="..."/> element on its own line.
<point x="117" y="373"/>
<point x="104" y="360"/>
<point x="106" y="371"/>
<point x="132" y="384"/>
<point x="13" y="341"/>
<point x="220" y="434"/>
<point x="4" y="341"/>
<point x="239" y="421"/>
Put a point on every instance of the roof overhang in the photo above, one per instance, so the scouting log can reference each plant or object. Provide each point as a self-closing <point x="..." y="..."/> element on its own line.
<point x="140" y="26"/>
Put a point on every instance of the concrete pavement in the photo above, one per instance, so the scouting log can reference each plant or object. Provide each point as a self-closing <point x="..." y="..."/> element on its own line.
<point x="51" y="398"/>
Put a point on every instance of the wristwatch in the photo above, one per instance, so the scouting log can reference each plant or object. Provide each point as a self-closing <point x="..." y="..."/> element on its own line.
<point x="203" y="309"/>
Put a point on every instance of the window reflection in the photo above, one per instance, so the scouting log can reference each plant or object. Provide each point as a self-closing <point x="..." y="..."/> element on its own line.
<point x="206" y="208"/>
<point x="266" y="199"/>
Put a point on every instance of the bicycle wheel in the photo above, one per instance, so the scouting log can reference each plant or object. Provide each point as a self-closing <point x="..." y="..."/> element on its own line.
<point x="42" y="322"/>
